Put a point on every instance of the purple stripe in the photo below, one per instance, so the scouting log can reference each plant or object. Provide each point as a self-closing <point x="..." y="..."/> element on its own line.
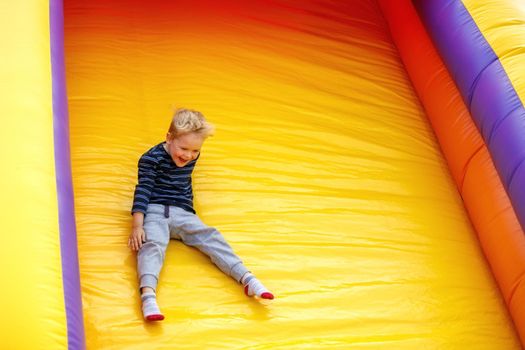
<point x="486" y="89"/>
<point x="66" y="212"/>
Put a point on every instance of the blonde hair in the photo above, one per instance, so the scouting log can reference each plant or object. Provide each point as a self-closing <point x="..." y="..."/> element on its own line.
<point x="187" y="120"/>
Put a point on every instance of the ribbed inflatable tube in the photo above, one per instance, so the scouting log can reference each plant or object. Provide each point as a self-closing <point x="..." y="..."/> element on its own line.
<point x="481" y="45"/>
<point x="485" y="198"/>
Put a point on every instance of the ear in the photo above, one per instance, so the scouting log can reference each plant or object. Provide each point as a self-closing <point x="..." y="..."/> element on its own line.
<point x="169" y="138"/>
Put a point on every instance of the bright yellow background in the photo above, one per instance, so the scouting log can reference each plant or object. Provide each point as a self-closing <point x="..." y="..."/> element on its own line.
<point x="324" y="175"/>
<point x="32" y="314"/>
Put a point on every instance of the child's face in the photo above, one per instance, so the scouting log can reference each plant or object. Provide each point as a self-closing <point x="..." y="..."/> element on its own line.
<point x="184" y="148"/>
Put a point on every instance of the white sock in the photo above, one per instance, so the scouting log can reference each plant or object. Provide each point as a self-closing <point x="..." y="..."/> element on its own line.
<point x="150" y="309"/>
<point x="252" y="286"/>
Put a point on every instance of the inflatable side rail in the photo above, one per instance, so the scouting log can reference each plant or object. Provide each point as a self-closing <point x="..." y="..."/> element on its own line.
<point x="66" y="206"/>
<point x="484" y="99"/>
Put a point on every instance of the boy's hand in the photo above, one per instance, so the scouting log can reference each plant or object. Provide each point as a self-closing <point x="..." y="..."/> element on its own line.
<point x="136" y="238"/>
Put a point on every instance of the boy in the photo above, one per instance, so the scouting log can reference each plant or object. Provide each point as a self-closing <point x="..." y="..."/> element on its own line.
<point x="163" y="209"/>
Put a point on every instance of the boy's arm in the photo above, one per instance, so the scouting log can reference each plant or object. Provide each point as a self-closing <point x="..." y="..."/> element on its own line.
<point x="137" y="236"/>
<point x="146" y="180"/>
<point x="138" y="219"/>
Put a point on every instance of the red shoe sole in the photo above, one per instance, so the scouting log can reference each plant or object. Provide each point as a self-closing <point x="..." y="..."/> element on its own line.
<point x="155" y="317"/>
<point x="267" y="295"/>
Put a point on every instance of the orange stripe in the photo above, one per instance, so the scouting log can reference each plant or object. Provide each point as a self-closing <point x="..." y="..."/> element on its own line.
<point x="486" y="201"/>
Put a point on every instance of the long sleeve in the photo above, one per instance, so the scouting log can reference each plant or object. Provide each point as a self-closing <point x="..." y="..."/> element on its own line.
<point x="146" y="180"/>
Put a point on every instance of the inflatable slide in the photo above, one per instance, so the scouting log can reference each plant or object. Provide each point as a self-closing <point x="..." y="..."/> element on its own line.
<point x="368" y="165"/>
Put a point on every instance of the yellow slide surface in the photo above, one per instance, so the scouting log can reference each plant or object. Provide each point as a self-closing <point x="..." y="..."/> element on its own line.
<point x="324" y="175"/>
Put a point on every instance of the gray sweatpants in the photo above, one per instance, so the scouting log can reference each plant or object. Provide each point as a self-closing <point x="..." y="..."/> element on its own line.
<point x="161" y="224"/>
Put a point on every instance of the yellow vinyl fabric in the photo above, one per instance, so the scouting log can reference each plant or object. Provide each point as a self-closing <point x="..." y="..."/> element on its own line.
<point x="324" y="175"/>
<point x="32" y="314"/>
<point x="502" y="25"/>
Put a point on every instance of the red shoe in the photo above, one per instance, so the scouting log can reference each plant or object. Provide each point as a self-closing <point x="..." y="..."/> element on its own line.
<point x="265" y="295"/>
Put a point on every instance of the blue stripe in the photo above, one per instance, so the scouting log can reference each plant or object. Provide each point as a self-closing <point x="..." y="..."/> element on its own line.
<point x="486" y="89"/>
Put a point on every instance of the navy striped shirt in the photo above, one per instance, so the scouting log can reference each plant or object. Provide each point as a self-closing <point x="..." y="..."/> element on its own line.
<point x="161" y="181"/>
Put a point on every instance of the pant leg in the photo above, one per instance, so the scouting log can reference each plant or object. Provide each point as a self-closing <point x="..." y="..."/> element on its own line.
<point x="151" y="256"/>
<point x="210" y="241"/>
